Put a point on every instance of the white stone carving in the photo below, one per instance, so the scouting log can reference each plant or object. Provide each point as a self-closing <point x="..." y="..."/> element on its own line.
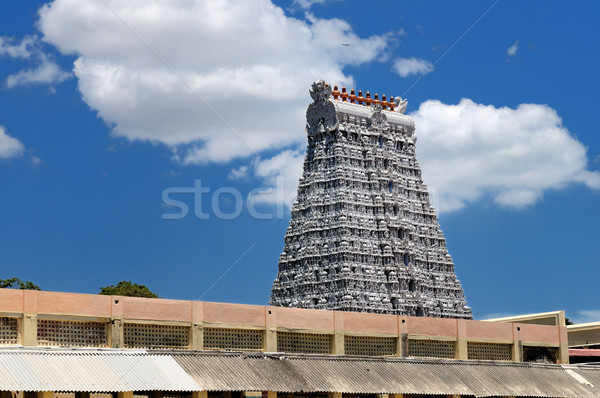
<point x="363" y="235"/>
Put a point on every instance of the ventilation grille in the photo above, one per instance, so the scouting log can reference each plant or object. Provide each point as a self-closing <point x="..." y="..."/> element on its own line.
<point x="71" y="333"/>
<point x="305" y="343"/>
<point x="431" y="349"/>
<point x="489" y="351"/>
<point x="233" y="339"/>
<point x="9" y="331"/>
<point x="155" y="336"/>
<point x="371" y="346"/>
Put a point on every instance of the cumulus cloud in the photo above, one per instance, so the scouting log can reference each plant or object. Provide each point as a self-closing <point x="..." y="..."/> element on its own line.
<point x="9" y="47"/>
<point x="239" y="173"/>
<point x="9" y="146"/>
<point x="412" y="66"/>
<point x="306" y="4"/>
<point x="280" y="173"/>
<point x="46" y="71"/>
<point x="237" y="77"/>
<point x="469" y="151"/>
<point x="512" y="50"/>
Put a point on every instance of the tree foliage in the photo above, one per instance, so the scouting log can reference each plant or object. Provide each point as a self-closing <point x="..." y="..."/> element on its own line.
<point x="126" y="288"/>
<point x="16" y="283"/>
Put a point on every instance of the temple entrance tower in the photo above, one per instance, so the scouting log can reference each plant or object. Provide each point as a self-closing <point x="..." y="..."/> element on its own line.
<point x="363" y="235"/>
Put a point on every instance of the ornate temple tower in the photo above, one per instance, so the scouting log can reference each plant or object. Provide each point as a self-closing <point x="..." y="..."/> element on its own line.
<point x="363" y="235"/>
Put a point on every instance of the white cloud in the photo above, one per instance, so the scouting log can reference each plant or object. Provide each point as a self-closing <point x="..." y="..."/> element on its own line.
<point x="280" y="172"/>
<point x="470" y="150"/>
<point x="512" y="50"/>
<point x="22" y="50"/>
<point x="9" y="146"/>
<point x="249" y="63"/>
<point x="585" y="316"/>
<point x="412" y="66"/>
<point x="46" y="71"/>
<point x="306" y="4"/>
<point x="239" y="173"/>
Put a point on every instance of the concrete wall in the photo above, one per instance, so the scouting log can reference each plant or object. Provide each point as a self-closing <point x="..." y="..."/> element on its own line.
<point x="29" y="306"/>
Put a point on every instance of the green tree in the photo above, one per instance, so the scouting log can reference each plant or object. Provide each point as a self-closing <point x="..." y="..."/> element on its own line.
<point x="126" y="288"/>
<point x="16" y="283"/>
<point x="569" y="322"/>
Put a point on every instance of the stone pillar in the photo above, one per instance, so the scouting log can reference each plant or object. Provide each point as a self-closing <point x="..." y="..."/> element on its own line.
<point x="338" y="342"/>
<point x="271" y="394"/>
<point x="29" y="330"/>
<point x="563" y="349"/>
<point x="116" y="334"/>
<point x="197" y="337"/>
<point x="199" y="394"/>
<point x="338" y="333"/>
<point x="402" y="345"/>
<point x="517" y="348"/>
<point x="462" y="348"/>
<point x="270" y="330"/>
<point x="124" y="394"/>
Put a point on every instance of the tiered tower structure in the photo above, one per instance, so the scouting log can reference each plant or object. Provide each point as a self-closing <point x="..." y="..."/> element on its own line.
<point x="363" y="235"/>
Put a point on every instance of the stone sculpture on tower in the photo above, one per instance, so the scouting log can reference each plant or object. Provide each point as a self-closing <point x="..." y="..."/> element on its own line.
<point x="363" y="235"/>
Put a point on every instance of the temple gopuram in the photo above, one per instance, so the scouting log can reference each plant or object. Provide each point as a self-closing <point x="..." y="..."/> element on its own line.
<point x="363" y="235"/>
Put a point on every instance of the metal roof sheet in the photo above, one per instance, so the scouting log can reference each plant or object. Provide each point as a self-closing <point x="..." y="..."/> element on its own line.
<point x="220" y="371"/>
<point x="90" y="370"/>
<point x="101" y="370"/>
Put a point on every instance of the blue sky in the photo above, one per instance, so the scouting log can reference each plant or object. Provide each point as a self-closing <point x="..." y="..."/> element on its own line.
<point x="105" y="104"/>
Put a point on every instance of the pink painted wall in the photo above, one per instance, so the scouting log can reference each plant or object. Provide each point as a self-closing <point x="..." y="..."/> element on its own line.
<point x="431" y="326"/>
<point x="370" y="323"/>
<point x="253" y="315"/>
<point x="11" y="300"/>
<point x="477" y="330"/>
<point x="298" y="318"/>
<point x="154" y="309"/>
<point x="72" y="303"/>
<point x="133" y="308"/>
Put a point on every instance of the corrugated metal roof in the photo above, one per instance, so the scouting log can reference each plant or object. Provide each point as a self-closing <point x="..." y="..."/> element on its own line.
<point x="359" y="375"/>
<point x="90" y="370"/>
<point x="98" y="370"/>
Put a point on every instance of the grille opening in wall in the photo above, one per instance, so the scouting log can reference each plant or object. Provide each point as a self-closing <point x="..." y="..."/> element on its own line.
<point x="489" y="351"/>
<point x="370" y="346"/>
<point x="306" y="343"/>
<point x="9" y="331"/>
<point x="155" y="336"/>
<point x="61" y="333"/>
<point x="233" y="339"/>
<point x="540" y="354"/>
<point x="431" y="349"/>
